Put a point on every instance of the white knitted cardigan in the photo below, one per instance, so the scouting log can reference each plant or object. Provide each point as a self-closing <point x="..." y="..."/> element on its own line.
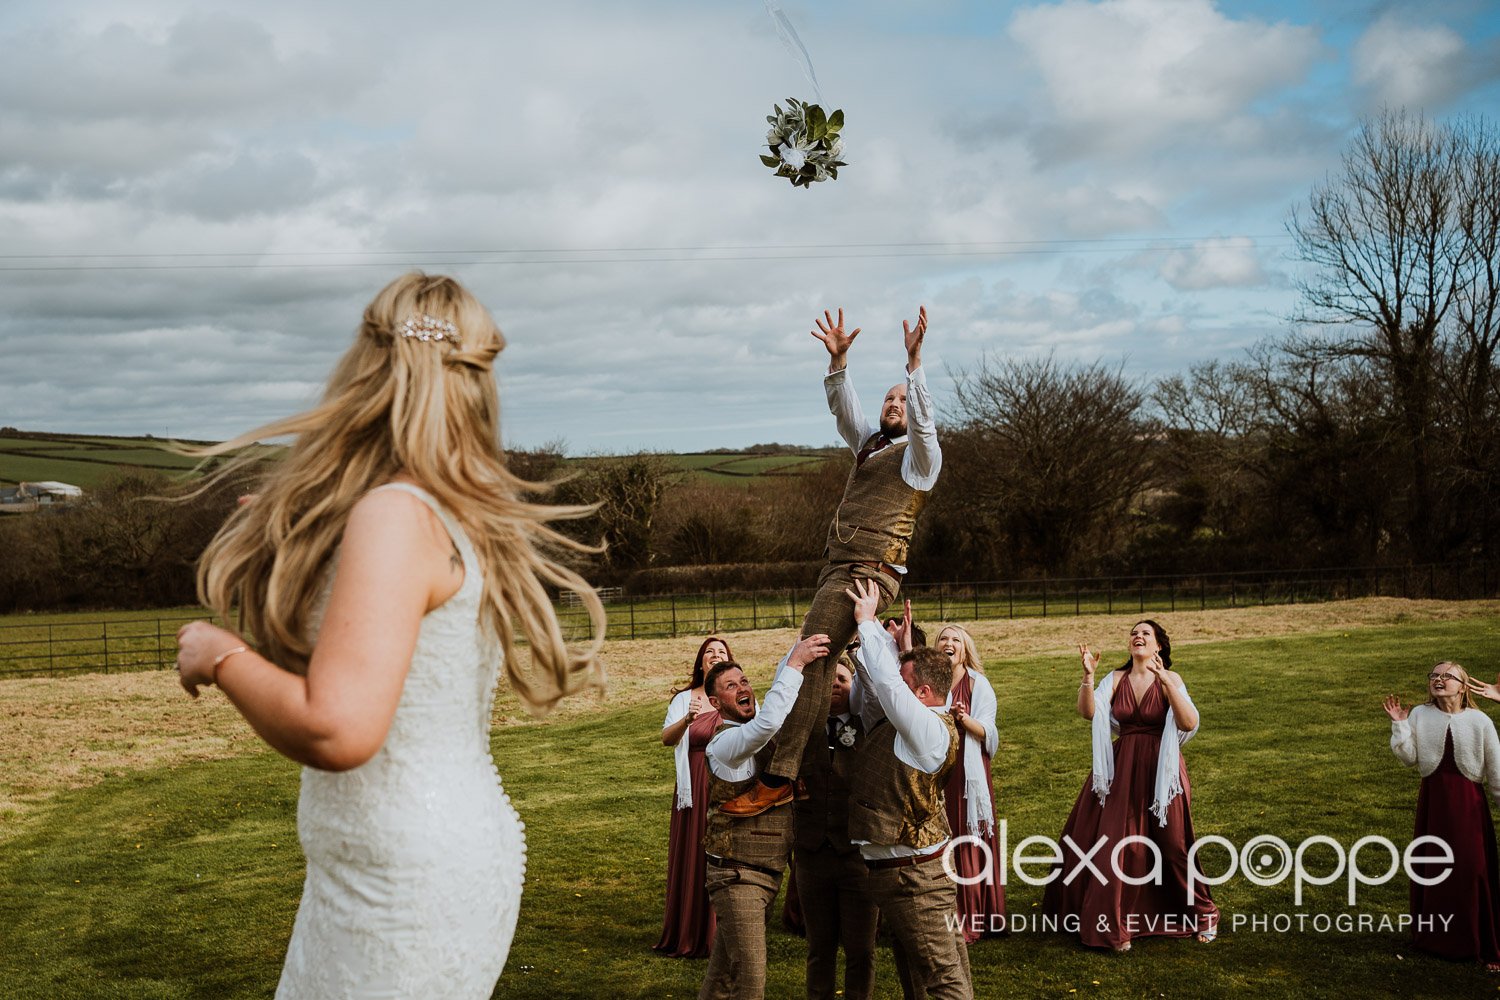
<point x="1418" y="741"/>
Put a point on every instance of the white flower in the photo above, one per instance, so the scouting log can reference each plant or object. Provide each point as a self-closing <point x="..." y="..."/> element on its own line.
<point x="794" y="156"/>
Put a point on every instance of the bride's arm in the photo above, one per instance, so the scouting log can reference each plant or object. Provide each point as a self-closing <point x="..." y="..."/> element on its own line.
<point x="395" y="563"/>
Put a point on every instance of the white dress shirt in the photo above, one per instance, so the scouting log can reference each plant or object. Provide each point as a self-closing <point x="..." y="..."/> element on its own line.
<point x="923" y="459"/>
<point x="922" y="738"/>
<point x="731" y="753"/>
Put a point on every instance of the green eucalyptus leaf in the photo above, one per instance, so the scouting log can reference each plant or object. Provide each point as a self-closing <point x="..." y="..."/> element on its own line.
<point x="770" y="161"/>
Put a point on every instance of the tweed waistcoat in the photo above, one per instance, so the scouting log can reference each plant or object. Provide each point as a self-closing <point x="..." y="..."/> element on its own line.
<point x="764" y="840"/>
<point x="876" y="518"/>
<point x="891" y="802"/>
<point x="824" y="816"/>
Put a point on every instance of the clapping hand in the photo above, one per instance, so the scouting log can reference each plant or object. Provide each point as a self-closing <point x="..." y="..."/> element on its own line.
<point x="1392" y="706"/>
<point x="958" y="710"/>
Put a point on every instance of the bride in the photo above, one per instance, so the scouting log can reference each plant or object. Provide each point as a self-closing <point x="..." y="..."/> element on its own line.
<point x="380" y="569"/>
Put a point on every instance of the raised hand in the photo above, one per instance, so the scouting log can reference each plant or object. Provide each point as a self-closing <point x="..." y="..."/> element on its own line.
<point x="958" y="710"/>
<point x="832" y="334"/>
<point x="1392" y="706"/>
<point x="914" y="336"/>
<point x="1090" y="661"/>
<point x="903" y="631"/>
<point x="866" y="598"/>
<point x="1157" y="667"/>
<point x="1490" y="691"/>
<point x="814" y="647"/>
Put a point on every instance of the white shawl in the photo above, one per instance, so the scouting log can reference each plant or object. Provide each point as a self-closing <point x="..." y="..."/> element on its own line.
<point x="979" y="807"/>
<point x="677" y="710"/>
<point x="1168" y="778"/>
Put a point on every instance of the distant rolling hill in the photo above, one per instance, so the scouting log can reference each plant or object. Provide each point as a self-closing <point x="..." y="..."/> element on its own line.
<point x="87" y="459"/>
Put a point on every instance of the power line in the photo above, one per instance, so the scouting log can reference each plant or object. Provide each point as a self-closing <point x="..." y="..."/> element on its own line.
<point x="185" y="260"/>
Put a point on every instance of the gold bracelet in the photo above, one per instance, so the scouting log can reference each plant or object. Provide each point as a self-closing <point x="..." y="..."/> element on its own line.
<point x="213" y="671"/>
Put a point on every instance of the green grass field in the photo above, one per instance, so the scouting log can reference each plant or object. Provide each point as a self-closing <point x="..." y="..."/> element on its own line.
<point x="183" y="881"/>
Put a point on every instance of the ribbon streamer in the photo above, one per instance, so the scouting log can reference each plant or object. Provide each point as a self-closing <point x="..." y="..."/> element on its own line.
<point x="794" y="46"/>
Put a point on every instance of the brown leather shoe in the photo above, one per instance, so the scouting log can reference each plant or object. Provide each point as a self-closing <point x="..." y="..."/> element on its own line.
<point x="799" y="791"/>
<point x="757" y="800"/>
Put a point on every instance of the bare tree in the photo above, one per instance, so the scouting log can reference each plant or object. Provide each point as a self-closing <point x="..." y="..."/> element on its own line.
<point x="1046" y="459"/>
<point x="1403" y="248"/>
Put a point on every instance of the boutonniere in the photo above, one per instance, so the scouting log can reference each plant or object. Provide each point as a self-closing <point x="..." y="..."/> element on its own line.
<point x="846" y="735"/>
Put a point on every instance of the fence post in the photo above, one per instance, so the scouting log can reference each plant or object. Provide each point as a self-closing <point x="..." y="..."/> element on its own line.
<point x="1141" y="593"/>
<point x="713" y="607"/>
<point x="632" y="616"/>
<point x="674" y="615"/>
<point x="1202" y="594"/>
<point x="1044" y="597"/>
<point x="159" y="662"/>
<point x="754" y="613"/>
<point x="1109" y="594"/>
<point x="792" y="596"/>
<point x="51" y="651"/>
<point x="976" y="601"/>
<point x="1077" y="597"/>
<point x="1231" y="592"/>
<point x="1172" y="592"/>
<point x="1010" y="590"/>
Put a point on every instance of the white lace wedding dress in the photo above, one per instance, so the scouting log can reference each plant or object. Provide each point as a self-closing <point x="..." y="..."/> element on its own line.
<point x="414" y="859"/>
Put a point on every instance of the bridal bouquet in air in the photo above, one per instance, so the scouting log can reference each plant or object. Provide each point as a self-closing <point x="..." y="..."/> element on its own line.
<point x="805" y="143"/>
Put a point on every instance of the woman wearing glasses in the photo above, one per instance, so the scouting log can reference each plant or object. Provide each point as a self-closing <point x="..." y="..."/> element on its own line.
<point x="1455" y="747"/>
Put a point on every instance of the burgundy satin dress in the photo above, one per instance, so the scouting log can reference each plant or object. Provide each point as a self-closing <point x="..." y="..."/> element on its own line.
<point x="981" y="906"/>
<point x="1114" y="912"/>
<point x="1454" y="808"/>
<point x="688" y="924"/>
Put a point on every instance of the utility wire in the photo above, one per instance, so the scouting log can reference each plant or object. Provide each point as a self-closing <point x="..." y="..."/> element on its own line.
<point x="186" y="260"/>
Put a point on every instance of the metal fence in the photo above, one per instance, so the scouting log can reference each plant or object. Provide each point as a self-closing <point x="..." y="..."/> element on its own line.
<point x="150" y="643"/>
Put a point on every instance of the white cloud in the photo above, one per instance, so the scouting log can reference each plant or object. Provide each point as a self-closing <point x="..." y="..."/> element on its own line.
<point x="1230" y="262"/>
<point x="1125" y="73"/>
<point x="1401" y="64"/>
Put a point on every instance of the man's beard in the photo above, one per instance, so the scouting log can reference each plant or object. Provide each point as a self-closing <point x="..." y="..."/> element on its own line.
<point x="893" y="428"/>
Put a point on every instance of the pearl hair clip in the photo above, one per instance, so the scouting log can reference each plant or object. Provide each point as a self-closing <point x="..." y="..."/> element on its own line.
<point x="425" y="328"/>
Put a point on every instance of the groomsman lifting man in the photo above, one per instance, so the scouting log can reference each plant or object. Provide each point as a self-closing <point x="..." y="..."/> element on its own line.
<point x="896" y="464"/>
<point x="746" y="855"/>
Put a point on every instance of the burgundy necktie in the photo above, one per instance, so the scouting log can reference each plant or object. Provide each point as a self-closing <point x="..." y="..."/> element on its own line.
<point x="878" y="442"/>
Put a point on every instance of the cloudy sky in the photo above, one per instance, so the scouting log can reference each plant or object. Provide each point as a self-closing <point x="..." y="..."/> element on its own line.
<point x="197" y="198"/>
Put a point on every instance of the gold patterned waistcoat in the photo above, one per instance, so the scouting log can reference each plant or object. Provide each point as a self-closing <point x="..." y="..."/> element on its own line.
<point x="764" y="840"/>
<point x="891" y="802"/>
<point x="876" y="518"/>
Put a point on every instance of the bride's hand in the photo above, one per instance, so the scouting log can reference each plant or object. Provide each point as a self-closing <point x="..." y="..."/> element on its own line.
<point x="199" y="645"/>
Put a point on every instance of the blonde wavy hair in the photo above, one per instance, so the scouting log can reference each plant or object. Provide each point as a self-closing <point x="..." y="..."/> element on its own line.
<point x="396" y="406"/>
<point x="971" y="651"/>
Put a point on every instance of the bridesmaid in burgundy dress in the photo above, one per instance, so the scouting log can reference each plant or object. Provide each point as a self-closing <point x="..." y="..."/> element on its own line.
<point x="970" y="794"/>
<point x="688" y="924"/>
<point x="1455" y="747"/>
<point x="1137" y="787"/>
